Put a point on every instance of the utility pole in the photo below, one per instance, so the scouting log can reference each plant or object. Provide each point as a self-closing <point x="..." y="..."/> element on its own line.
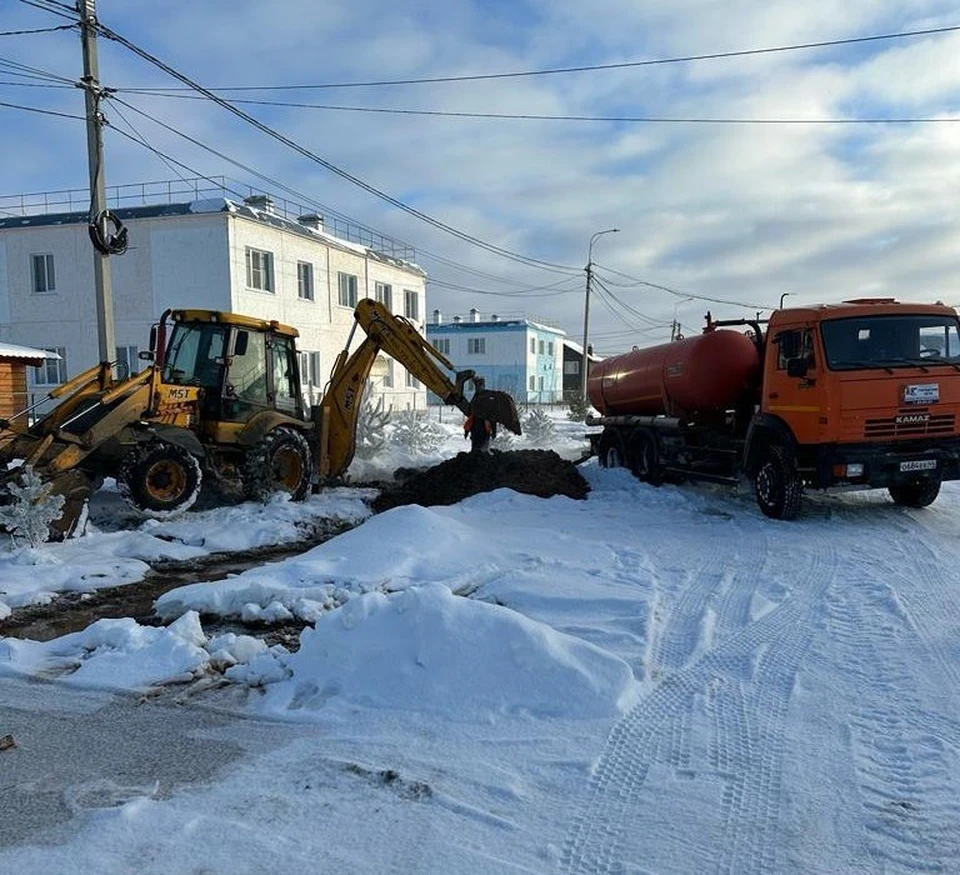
<point x="586" y="311"/>
<point x="98" y="197"/>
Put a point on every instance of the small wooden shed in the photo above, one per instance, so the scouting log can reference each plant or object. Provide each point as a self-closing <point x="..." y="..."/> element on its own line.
<point x="14" y="361"/>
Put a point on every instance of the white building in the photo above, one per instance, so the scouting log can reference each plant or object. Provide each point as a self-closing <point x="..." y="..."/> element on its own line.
<point x="242" y="257"/>
<point x="520" y="356"/>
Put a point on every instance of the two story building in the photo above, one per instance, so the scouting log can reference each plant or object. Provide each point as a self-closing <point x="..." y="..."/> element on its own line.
<point x="519" y="356"/>
<point x="242" y="256"/>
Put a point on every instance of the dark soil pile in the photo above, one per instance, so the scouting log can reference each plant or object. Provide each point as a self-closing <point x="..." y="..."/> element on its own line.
<point x="534" y="472"/>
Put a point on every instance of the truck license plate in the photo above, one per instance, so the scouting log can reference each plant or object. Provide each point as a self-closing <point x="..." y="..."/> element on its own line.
<point x="918" y="465"/>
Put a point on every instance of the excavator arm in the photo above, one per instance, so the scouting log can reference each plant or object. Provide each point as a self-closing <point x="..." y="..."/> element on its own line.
<point x="396" y="336"/>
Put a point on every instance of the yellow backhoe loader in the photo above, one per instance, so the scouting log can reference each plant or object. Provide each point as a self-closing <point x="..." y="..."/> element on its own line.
<point x="221" y="402"/>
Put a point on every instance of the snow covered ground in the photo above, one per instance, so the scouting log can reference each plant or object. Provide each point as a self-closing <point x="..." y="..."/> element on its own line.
<point x="649" y="681"/>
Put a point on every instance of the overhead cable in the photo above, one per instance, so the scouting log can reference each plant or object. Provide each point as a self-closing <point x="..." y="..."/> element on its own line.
<point x="589" y="68"/>
<point x="607" y="119"/>
<point x="333" y="168"/>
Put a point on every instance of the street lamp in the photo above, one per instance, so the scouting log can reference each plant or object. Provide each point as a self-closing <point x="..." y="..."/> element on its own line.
<point x="586" y="310"/>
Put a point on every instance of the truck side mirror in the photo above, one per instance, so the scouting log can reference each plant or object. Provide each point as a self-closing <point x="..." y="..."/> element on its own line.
<point x="240" y="347"/>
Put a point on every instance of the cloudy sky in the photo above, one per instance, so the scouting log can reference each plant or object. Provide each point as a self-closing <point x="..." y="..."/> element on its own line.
<point x="778" y="188"/>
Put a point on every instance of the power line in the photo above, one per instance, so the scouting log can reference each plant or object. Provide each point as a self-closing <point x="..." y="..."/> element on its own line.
<point x="37" y="30"/>
<point x="293" y="192"/>
<point x="526" y="116"/>
<point x="59" y="9"/>
<point x="333" y="168"/>
<point x="15" y="68"/>
<point x="588" y="68"/>
<point x="42" y="111"/>
<point x="668" y="290"/>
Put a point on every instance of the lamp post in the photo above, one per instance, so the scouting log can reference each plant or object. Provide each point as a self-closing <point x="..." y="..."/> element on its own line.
<point x="586" y="310"/>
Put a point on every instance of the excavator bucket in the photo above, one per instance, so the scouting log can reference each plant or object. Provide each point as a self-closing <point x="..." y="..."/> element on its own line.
<point x="497" y="407"/>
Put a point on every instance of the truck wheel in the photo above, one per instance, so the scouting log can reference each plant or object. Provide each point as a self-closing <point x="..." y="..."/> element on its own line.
<point x="645" y="458"/>
<point x="160" y="479"/>
<point x="778" y="486"/>
<point x="611" y="450"/>
<point x="915" y="494"/>
<point x="281" y="462"/>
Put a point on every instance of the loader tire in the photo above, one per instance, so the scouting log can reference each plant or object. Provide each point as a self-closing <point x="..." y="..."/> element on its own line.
<point x="160" y="479"/>
<point x="778" y="486"/>
<point x="280" y="462"/>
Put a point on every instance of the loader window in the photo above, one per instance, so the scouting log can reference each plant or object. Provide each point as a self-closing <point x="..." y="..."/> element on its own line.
<point x="246" y="386"/>
<point x="195" y="355"/>
<point x="285" y="390"/>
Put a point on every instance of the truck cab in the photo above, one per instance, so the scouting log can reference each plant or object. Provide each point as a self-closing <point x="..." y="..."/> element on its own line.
<point x="868" y="392"/>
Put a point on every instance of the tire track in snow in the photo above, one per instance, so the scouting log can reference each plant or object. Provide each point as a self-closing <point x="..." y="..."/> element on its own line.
<point x="902" y="768"/>
<point x="740" y="689"/>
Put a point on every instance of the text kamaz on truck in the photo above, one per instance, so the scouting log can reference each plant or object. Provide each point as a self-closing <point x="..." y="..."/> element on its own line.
<point x="860" y="394"/>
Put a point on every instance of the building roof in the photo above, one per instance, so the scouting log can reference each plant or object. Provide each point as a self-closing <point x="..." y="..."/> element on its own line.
<point x="267" y="216"/>
<point x="490" y="325"/>
<point x="13" y="351"/>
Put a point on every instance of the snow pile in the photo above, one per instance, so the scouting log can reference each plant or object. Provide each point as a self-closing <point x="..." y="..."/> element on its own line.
<point x="428" y="650"/>
<point x="409" y="544"/>
<point x="122" y="654"/>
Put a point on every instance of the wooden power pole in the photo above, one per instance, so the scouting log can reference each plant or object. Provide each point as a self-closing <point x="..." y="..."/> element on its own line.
<point x="98" y="197"/>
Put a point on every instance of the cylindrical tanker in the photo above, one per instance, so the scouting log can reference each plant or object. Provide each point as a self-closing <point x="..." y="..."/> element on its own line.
<point x="710" y="372"/>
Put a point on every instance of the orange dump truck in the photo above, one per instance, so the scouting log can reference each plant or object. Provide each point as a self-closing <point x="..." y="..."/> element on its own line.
<point x="861" y="394"/>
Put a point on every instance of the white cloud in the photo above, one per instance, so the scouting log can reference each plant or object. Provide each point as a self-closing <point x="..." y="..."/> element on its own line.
<point x="741" y="212"/>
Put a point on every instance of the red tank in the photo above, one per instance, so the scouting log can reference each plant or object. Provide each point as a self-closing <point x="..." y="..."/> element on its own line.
<point x="704" y="373"/>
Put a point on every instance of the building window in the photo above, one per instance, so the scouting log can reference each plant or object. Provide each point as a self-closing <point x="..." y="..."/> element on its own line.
<point x="310" y="369"/>
<point x="476" y="346"/>
<point x="533" y="346"/>
<point x="550" y="348"/>
<point x="442" y="345"/>
<point x="572" y="366"/>
<point x="44" y="277"/>
<point x="347" y="289"/>
<point x="412" y="381"/>
<point x="533" y="383"/>
<point x="128" y="361"/>
<point x="540" y="383"/>
<point x="541" y="347"/>
<point x="260" y="270"/>
<point x="383" y="292"/>
<point x="53" y="371"/>
<point x="305" y="280"/>
<point x="411" y="305"/>
<point x="388" y="377"/>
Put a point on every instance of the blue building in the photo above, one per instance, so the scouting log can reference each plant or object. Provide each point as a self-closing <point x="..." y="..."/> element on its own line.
<point x="518" y="356"/>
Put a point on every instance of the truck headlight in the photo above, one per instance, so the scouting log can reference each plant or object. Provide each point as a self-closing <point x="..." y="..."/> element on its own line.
<point x="855" y="469"/>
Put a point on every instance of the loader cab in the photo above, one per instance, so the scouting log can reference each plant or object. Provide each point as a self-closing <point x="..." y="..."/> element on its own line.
<point x="243" y="369"/>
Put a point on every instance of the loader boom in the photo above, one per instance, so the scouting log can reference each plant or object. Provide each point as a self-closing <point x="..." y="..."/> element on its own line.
<point x="396" y="336"/>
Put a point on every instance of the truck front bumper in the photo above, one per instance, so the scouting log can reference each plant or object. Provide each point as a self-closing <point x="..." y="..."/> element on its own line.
<point x="881" y="465"/>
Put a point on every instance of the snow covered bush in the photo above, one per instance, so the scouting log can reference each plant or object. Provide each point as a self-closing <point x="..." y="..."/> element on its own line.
<point x="579" y="408"/>
<point x="538" y="427"/>
<point x="31" y="510"/>
<point x="417" y="433"/>
<point x="371" y="425"/>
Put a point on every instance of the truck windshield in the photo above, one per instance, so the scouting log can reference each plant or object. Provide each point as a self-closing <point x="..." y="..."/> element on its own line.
<point x="891" y="341"/>
<point x="195" y="355"/>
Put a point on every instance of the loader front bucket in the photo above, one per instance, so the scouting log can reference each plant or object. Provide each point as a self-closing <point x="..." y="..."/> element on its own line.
<point x="76" y="489"/>
<point x="497" y="407"/>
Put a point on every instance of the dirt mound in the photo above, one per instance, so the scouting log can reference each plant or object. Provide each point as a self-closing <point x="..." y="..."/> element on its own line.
<point x="534" y="472"/>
